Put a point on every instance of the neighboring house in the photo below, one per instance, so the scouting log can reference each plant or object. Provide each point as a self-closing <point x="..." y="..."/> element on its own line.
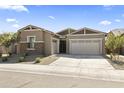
<point x="118" y="32"/>
<point x="84" y="41"/>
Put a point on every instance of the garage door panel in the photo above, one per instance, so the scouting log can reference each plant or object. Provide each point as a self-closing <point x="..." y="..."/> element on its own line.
<point x="76" y="47"/>
<point x="85" y="47"/>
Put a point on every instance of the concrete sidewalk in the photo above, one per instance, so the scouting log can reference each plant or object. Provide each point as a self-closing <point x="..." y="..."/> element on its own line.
<point x="100" y="74"/>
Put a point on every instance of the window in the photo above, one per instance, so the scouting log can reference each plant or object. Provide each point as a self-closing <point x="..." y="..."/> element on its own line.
<point x="31" y="41"/>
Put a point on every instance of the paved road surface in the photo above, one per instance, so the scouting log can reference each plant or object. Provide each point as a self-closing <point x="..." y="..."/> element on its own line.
<point x="22" y="80"/>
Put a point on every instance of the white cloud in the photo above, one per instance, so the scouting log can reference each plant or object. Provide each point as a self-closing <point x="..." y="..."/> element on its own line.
<point x="52" y="17"/>
<point x="117" y="20"/>
<point x="105" y="22"/>
<point x="122" y="15"/>
<point x="108" y="7"/>
<point x="15" y="25"/>
<point x="11" y="20"/>
<point x="18" y="8"/>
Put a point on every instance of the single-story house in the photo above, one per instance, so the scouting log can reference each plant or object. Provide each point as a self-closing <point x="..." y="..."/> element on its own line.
<point x="85" y="41"/>
<point x="118" y="32"/>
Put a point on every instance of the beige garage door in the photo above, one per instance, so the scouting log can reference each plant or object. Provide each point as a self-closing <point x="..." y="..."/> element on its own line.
<point x="85" y="47"/>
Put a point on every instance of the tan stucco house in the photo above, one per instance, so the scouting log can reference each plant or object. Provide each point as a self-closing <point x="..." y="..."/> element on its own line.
<point x="86" y="41"/>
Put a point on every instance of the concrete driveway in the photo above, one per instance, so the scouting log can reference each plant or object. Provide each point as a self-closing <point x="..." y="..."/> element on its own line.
<point x="81" y="61"/>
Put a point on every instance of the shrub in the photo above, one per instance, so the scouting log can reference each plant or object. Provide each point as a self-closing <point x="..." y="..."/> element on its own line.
<point x="38" y="60"/>
<point x="26" y="54"/>
<point x="21" y="59"/>
<point x="4" y="59"/>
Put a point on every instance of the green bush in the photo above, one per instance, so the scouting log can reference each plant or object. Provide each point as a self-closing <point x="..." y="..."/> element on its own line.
<point x="26" y="54"/>
<point x="21" y="59"/>
<point x="38" y="60"/>
<point x="4" y="59"/>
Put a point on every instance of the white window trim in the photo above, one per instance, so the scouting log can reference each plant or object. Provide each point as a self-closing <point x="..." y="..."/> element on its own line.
<point x="30" y="48"/>
<point x="39" y="41"/>
<point x="33" y="44"/>
<point x="29" y="37"/>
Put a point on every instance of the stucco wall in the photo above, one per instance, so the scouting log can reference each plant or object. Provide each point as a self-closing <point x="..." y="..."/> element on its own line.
<point x="23" y="47"/>
<point x="47" y="43"/>
<point x="103" y="46"/>
<point x="38" y="34"/>
<point x="39" y="48"/>
<point x="86" y="36"/>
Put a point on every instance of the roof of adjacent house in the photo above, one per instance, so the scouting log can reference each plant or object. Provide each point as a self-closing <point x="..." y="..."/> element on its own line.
<point x="119" y="31"/>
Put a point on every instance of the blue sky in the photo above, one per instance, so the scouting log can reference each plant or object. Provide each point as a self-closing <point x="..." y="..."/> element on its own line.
<point x="56" y="18"/>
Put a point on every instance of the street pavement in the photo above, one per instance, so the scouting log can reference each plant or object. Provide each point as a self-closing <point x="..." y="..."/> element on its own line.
<point x="10" y="79"/>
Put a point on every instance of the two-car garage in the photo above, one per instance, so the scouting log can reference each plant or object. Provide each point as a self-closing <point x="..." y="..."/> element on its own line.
<point x="85" y="41"/>
<point x="85" y="46"/>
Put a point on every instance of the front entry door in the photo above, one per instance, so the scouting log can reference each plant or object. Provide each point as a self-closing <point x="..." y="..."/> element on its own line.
<point x="62" y="46"/>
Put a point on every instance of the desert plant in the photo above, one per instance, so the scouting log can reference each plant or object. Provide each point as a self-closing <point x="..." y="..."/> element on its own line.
<point x="21" y="59"/>
<point x="25" y="54"/>
<point x="114" y="43"/>
<point x="38" y="60"/>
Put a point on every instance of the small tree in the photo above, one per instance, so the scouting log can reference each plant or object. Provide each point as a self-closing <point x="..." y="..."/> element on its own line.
<point x="6" y="39"/>
<point x="114" y="43"/>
